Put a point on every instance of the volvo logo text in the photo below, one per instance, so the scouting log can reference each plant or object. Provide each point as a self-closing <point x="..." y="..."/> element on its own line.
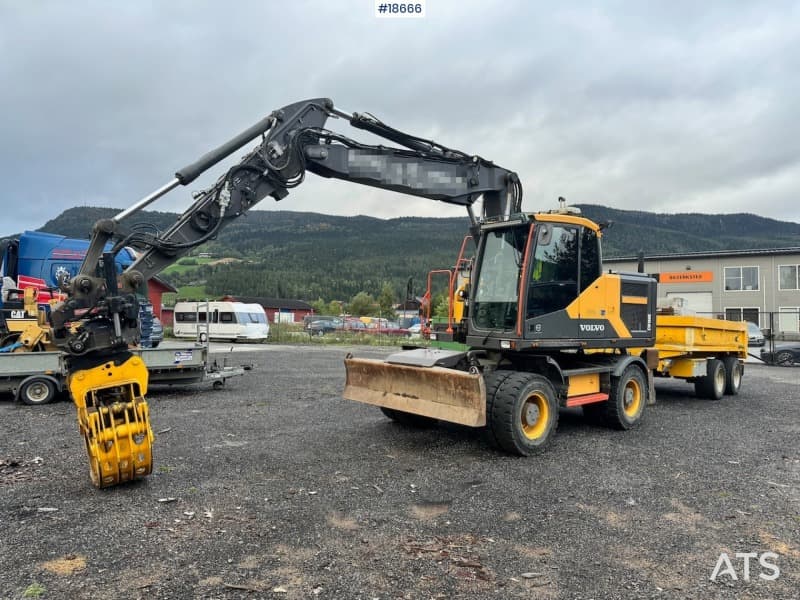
<point x="599" y="327"/>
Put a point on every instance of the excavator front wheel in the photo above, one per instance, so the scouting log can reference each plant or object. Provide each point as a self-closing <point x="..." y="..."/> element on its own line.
<point x="523" y="415"/>
<point x="625" y="405"/>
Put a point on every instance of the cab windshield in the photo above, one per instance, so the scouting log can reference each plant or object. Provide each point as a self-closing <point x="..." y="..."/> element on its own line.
<point x="497" y="291"/>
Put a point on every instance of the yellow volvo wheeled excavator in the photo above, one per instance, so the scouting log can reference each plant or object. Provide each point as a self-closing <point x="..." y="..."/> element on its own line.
<point x="546" y="326"/>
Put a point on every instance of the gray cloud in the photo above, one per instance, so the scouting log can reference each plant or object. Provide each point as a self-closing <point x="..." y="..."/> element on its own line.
<point x="670" y="107"/>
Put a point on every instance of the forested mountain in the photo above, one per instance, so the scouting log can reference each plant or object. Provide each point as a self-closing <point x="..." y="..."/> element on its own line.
<point x="309" y="255"/>
<point x="689" y="232"/>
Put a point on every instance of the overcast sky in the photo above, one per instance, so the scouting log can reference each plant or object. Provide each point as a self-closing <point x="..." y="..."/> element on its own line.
<point x="661" y="106"/>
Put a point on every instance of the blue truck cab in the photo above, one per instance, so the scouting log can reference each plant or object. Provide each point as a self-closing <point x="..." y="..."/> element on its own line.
<point x="40" y="260"/>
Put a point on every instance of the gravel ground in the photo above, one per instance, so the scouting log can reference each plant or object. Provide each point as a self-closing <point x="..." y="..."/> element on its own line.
<point x="278" y="488"/>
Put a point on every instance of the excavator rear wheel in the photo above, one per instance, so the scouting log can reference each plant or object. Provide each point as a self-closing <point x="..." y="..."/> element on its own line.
<point x="524" y="413"/>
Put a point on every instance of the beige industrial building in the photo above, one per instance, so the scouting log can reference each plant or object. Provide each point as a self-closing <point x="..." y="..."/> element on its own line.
<point x="762" y="286"/>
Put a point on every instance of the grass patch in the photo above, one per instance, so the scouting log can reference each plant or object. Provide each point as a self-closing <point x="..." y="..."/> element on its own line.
<point x="178" y="268"/>
<point x="34" y="590"/>
<point x="293" y="333"/>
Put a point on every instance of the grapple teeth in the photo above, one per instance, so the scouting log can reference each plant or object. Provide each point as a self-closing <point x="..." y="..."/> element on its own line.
<point x="113" y="417"/>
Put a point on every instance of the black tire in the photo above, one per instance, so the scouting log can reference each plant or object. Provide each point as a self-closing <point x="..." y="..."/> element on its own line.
<point x="784" y="358"/>
<point x="626" y="399"/>
<point x="712" y="385"/>
<point x="524" y="413"/>
<point x="733" y="375"/>
<point x="408" y="419"/>
<point x="36" y="391"/>
<point x="492" y="381"/>
<point x="154" y="344"/>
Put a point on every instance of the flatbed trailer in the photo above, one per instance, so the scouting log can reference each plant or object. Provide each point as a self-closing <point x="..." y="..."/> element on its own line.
<point x="38" y="377"/>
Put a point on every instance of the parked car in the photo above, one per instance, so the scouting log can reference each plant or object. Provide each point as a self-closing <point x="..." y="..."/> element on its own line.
<point x="323" y="326"/>
<point x="157" y="333"/>
<point x="786" y="354"/>
<point x="415" y="330"/>
<point x="755" y="336"/>
<point x="355" y="326"/>
<point x="388" y="328"/>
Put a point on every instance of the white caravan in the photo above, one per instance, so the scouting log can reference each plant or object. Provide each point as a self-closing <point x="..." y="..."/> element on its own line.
<point x="231" y="321"/>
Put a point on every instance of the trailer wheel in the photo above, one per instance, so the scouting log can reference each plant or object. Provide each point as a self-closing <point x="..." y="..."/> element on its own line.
<point x="712" y="385"/>
<point x="408" y="419"/>
<point x="524" y="414"/>
<point x="733" y="375"/>
<point x="627" y="399"/>
<point x="37" y="390"/>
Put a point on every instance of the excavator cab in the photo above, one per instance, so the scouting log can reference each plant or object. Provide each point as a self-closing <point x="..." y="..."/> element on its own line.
<point x="539" y="284"/>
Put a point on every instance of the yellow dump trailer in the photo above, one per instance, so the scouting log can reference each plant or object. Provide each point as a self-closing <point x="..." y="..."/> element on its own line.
<point x="707" y="352"/>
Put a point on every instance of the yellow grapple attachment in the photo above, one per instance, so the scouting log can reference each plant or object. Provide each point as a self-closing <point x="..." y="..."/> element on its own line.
<point x="430" y="391"/>
<point x="113" y="418"/>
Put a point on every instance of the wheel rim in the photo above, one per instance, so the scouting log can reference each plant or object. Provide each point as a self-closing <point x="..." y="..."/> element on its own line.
<point x="37" y="391"/>
<point x="736" y="376"/>
<point x="535" y="415"/>
<point x="631" y="398"/>
<point x="719" y="379"/>
<point x="783" y="358"/>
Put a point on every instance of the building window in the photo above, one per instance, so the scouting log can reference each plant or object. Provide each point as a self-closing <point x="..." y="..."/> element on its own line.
<point x="739" y="279"/>
<point x="787" y="276"/>
<point x="743" y="314"/>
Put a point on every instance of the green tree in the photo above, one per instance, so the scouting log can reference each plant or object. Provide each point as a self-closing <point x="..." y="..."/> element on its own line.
<point x="386" y="302"/>
<point x="441" y="305"/>
<point x="362" y="305"/>
<point x="319" y="306"/>
<point x="334" y="308"/>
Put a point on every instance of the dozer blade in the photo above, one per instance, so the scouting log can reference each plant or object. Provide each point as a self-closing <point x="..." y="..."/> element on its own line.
<point x="113" y="418"/>
<point x="436" y="392"/>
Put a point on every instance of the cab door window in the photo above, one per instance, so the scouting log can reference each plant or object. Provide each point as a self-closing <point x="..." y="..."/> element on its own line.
<point x="553" y="282"/>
